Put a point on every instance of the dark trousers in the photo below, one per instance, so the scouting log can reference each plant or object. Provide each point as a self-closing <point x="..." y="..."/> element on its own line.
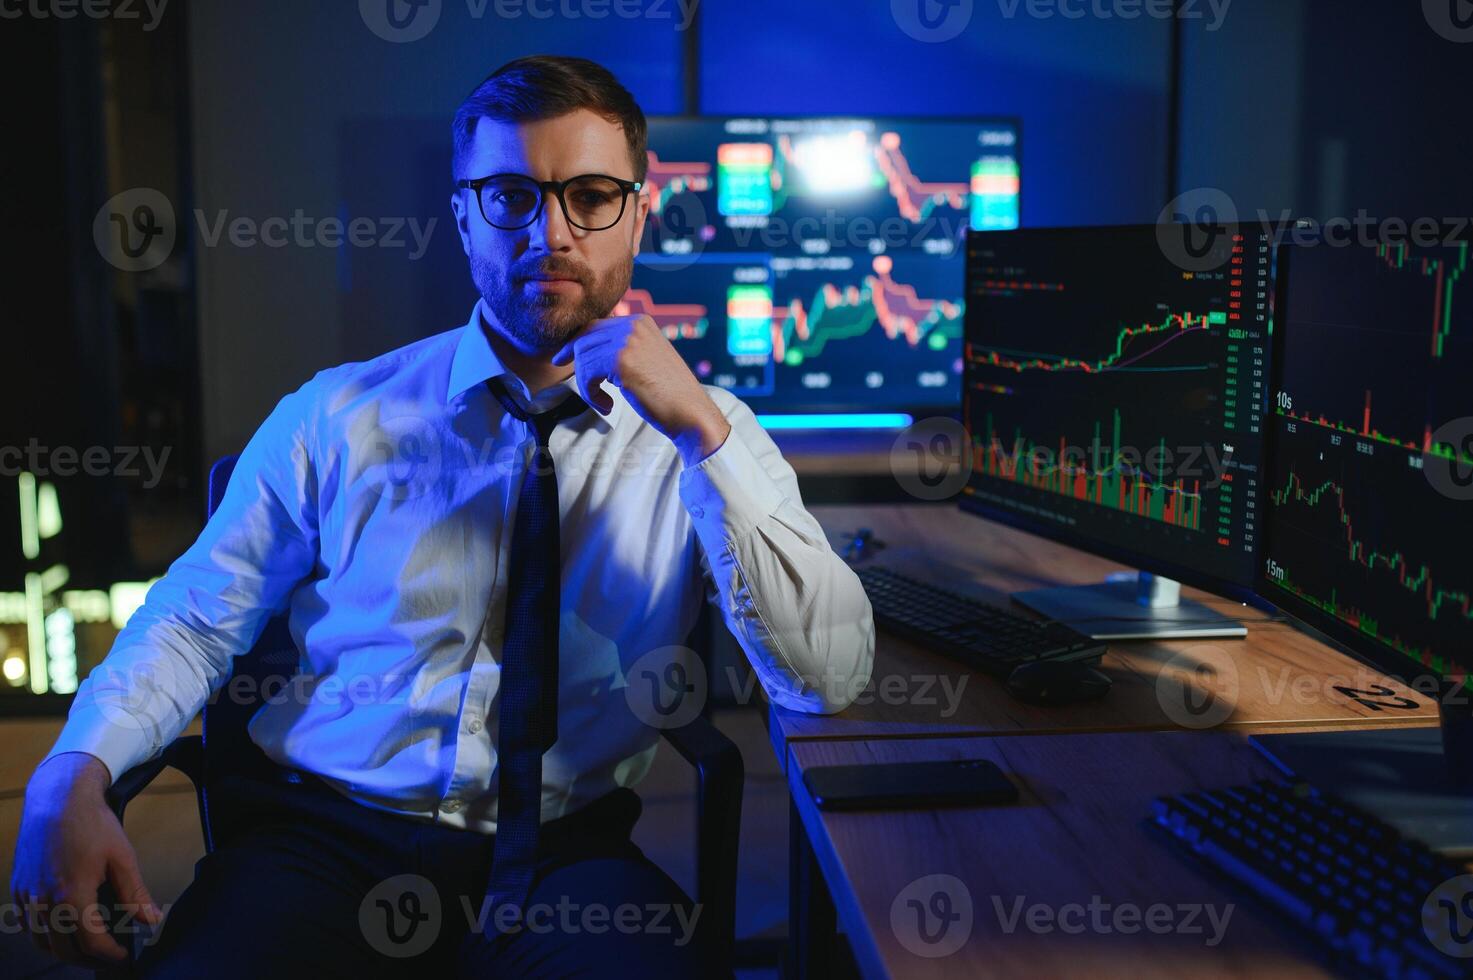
<point x="317" y="885"/>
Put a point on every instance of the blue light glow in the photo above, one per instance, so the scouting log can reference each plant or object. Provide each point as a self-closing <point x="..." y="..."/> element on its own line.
<point x="852" y="420"/>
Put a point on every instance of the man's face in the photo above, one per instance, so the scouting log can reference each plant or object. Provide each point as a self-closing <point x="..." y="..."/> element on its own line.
<point x="546" y="282"/>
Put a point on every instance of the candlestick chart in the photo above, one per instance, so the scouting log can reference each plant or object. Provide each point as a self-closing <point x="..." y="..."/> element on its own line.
<point x="1108" y="392"/>
<point x="1372" y="447"/>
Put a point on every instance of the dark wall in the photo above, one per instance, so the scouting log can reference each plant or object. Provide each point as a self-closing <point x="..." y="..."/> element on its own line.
<point x="1385" y="117"/>
<point x="1325" y="108"/>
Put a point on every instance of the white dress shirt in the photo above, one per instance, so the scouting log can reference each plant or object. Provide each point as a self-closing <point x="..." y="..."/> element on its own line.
<point x="375" y="506"/>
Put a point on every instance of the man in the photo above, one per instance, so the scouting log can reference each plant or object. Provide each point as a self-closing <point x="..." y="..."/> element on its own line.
<point x="474" y="562"/>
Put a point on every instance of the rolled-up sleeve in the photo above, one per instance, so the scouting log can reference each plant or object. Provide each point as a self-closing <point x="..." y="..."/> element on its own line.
<point x="210" y="606"/>
<point x="798" y="611"/>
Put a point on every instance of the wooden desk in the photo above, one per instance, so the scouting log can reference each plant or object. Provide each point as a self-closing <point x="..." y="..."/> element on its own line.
<point x="1078" y="840"/>
<point x="1277" y="679"/>
<point x="1174" y="720"/>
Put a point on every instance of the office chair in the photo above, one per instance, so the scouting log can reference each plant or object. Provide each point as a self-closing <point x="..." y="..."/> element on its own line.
<point x="226" y="747"/>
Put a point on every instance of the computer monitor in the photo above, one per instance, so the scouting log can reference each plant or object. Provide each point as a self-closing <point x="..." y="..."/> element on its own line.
<point x="814" y="266"/>
<point x="1113" y="396"/>
<point x="1369" y="506"/>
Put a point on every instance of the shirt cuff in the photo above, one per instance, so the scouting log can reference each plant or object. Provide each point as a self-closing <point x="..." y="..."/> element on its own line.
<point x="99" y="732"/>
<point x="729" y="492"/>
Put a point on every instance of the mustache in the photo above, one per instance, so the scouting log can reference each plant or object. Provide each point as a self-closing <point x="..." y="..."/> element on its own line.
<point x="559" y="268"/>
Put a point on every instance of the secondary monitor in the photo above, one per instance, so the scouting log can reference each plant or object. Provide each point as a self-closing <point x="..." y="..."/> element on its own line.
<point x="1113" y="394"/>
<point x="814" y="266"/>
<point x="1368" y="506"/>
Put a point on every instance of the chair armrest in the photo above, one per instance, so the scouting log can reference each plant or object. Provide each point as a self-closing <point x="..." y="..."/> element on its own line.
<point x="185" y="754"/>
<point x="720" y="774"/>
<point x="701" y="743"/>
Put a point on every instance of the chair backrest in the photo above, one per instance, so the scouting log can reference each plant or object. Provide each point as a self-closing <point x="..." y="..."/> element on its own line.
<point x="264" y="672"/>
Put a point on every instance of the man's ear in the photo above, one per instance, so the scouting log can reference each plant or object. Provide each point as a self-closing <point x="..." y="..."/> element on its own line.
<point x="641" y="214"/>
<point x="462" y="219"/>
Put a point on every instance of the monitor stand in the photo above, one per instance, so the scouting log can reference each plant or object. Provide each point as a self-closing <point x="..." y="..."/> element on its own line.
<point x="1419" y="780"/>
<point x="1131" y="607"/>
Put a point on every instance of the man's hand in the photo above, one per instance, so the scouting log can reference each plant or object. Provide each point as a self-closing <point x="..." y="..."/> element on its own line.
<point x="69" y="843"/>
<point x="632" y="353"/>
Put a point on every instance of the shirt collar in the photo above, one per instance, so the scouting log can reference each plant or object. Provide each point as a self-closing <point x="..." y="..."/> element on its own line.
<point x="474" y="362"/>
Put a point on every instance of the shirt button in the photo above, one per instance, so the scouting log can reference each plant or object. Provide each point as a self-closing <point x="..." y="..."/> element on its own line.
<point x="450" y="806"/>
<point x="698" y="512"/>
<point x="473" y="727"/>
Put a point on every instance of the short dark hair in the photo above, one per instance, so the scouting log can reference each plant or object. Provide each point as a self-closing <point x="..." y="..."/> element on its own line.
<point x="545" y="86"/>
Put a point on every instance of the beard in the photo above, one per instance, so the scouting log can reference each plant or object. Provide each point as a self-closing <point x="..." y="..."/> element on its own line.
<point x="544" y="320"/>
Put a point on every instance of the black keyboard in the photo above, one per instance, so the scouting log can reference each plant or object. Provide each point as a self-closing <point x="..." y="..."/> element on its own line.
<point x="1342" y="876"/>
<point x="990" y="639"/>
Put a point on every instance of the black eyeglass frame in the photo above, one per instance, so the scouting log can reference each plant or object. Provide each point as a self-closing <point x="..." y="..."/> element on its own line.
<point x="557" y="187"/>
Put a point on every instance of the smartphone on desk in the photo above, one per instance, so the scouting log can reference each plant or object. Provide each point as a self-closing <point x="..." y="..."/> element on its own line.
<point x="909" y="785"/>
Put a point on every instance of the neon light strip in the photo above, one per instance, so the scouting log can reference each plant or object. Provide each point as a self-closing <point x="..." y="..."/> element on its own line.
<point x="30" y="535"/>
<point x="36" y="634"/>
<point x="852" y="420"/>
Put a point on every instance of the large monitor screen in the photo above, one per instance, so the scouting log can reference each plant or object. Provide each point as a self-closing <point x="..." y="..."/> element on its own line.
<point x="814" y="266"/>
<point x="1114" y="388"/>
<point x="1370" y="503"/>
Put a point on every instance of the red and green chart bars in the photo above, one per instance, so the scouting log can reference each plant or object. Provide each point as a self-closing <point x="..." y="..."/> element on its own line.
<point x="1411" y="578"/>
<point x="1444" y="276"/>
<point x="1419" y="582"/>
<point x="1119" y="483"/>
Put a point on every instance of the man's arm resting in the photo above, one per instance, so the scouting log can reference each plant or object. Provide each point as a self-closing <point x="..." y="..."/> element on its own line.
<point x="798" y="611"/>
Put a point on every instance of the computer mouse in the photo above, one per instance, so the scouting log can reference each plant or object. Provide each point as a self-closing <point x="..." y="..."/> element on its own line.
<point x="1057" y="682"/>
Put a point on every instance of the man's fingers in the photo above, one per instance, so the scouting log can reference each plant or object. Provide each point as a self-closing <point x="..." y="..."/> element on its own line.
<point x="35" y="914"/>
<point x="93" y="939"/>
<point x="127" y="880"/>
<point x="594" y="357"/>
<point x="580" y="347"/>
<point x="593" y="368"/>
<point x="22" y="903"/>
<point x="574" y="349"/>
<point x="594" y="334"/>
<point x="77" y="933"/>
<point x="58" y="921"/>
<point x="595" y="395"/>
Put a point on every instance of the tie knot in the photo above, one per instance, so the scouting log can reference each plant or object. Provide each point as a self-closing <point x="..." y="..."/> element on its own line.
<point x="541" y="422"/>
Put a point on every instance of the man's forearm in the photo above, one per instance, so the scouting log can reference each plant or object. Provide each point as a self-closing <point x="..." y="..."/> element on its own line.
<point x="799" y="612"/>
<point x="804" y="617"/>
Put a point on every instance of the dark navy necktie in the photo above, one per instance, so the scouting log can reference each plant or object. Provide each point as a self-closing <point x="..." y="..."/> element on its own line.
<point x="529" y="663"/>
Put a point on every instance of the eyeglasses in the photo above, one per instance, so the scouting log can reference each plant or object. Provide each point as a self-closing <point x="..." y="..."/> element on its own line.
<point x="592" y="202"/>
